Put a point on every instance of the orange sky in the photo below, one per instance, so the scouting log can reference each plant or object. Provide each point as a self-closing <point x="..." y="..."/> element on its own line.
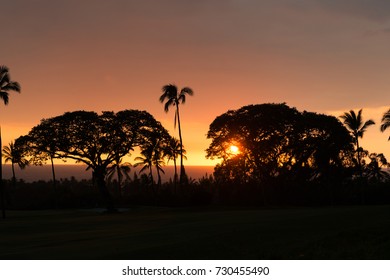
<point x="325" y="56"/>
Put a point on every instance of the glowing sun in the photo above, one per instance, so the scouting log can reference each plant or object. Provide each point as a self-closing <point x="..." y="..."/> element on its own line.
<point x="234" y="150"/>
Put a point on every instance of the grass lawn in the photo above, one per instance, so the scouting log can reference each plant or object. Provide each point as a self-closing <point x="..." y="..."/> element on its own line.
<point x="204" y="233"/>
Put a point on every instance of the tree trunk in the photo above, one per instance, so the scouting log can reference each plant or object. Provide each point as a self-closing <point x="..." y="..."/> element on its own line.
<point x="175" y="176"/>
<point x="182" y="169"/>
<point x="362" y="191"/>
<point x="159" y="178"/>
<point x="100" y="174"/>
<point x="2" y="199"/>
<point x="13" y="175"/>
<point x="151" y="177"/>
<point x="54" y="182"/>
<point x="118" y="171"/>
<point x="358" y="157"/>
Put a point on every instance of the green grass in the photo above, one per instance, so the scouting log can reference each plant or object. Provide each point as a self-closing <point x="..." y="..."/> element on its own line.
<point x="166" y="233"/>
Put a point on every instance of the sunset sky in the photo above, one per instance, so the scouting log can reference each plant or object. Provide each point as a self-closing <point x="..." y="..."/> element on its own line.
<point x="327" y="56"/>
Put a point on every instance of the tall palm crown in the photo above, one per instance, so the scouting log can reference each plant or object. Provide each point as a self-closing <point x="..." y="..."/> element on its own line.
<point x="6" y="85"/>
<point x="14" y="155"/>
<point x="172" y="151"/>
<point x="354" y="123"/>
<point x="172" y="98"/>
<point x="385" y="121"/>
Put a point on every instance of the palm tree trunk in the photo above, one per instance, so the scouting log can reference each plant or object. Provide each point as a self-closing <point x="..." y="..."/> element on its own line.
<point x="358" y="156"/>
<point x="1" y="180"/>
<point x="175" y="176"/>
<point x="159" y="177"/>
<point x="182" y="170"/>
<point x="363" y="199"/>
<point x="13" y="175"/>
<point x="151" y="176"/>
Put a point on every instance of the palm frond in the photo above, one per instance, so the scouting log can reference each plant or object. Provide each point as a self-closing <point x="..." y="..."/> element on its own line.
<point x="11" y="86"/>
<point x="385" y="121"/>
<point x="170" y="90"/>
<point x="169" y="103"/>
<point x="365" y="126"/>
<point x="181" y="99"/>
<point x="187" y="90"/>
<point x="358" y="118"/>
<point x="4" y="96"/>
<point x="3" y="72"/>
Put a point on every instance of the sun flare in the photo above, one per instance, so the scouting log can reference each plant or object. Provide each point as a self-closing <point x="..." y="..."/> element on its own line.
<point x="234" y="150"/>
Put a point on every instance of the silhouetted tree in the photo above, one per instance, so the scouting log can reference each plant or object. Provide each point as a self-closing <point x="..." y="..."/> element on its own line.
<point x="97" y="140"/>
<point x="385" y="121"/>
<point x="276" y="141"/>
<point x="158" y="161"/>
<point x="375" y="169"/>
<point x="173" y="98"/>
<point x="121" y="169"/>
<point x="357" y="127"/>
<point x="146" y="161"/>
<point x="152" y="154"/>
<point x="14" y="155"/>
<point x="6" y="86"/>
<point x="40" y="145"/>
<point x="172" y="151"/>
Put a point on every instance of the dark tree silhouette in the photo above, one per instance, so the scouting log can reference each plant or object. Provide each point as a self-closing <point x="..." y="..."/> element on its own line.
<point x="172" y="97"/>
<point x="157" y="159"/>
<point x="41" y="143"/>
<point x="6" y="86"/>
<point x="385" y="121"/>
<point x="13" y="154"/>
<point x="276" y="141"/>
<point x="171" y="152"/>
<point x="98" y="140"/>
<point x="375" y="169"/>
<point x="146" y="161"/>
<point x="152" y="151"/>
<point x="121" y="169"/>
<point x="357" y="127"/>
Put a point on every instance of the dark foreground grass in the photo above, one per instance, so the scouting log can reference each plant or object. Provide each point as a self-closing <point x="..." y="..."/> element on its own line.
<point x="166" y="233"/>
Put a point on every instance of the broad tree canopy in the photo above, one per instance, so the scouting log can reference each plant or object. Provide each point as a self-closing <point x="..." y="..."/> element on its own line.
<point x="275" y="140"/>
<point x="96" y="140"/>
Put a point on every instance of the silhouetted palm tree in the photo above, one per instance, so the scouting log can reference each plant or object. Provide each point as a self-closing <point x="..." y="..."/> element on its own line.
<point x="6" y="86"/>
<point x="354" y="123"/>
<point x="375" y="169"/>
<point x="172" y="151"/>
<point x="146" y="161"/>
<point x="173" y="98"/>
<point x="14" y="155"/>
<point x="121" y="170"/>
<point x="158" y="163"/>
<point x="385" y="121"/>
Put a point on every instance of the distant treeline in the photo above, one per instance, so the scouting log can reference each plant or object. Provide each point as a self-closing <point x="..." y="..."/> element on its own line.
<point x="72" y="193"/>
